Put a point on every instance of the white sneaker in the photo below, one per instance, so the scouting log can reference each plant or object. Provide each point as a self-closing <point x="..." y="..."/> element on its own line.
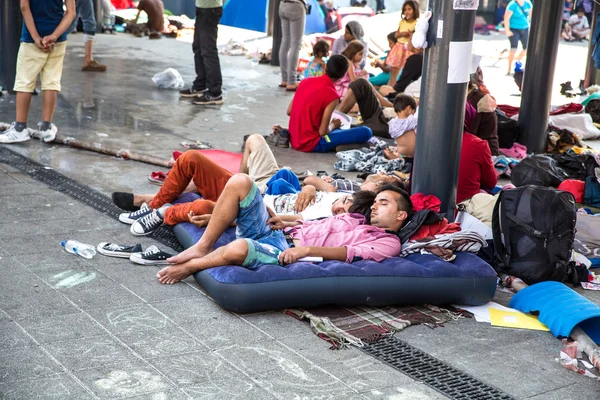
<point x="48" y="135"/>
<point x="130" y="217"/>
<point x="12" y="136"/>
<point x="146" y="224"/>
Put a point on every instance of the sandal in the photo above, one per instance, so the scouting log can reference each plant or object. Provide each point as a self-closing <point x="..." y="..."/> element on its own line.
<point x="94" y="67"/>
<point x="291" y="88"/>
<point x="283" y="84"/>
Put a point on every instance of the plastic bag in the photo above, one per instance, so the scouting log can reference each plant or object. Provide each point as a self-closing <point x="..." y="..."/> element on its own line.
<point x="170" y="78"/>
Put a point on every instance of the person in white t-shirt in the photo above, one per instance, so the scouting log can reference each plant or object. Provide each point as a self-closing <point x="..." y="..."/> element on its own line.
<point x="577" y="27"/>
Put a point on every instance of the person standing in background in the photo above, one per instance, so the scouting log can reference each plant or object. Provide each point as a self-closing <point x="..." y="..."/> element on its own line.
<point x="85" y="10"/>
<point x="516" y="23"/>
<point x="41" y="52"/>
<point x="293" y="18"/>
<point x="207" y="88"/>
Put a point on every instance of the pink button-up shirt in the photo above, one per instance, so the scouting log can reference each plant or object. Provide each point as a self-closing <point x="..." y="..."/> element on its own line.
<point x="349" y="231"/>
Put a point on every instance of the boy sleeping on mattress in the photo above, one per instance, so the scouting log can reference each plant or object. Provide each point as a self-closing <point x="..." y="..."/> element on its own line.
<point x="345" y="237"/>
<point x="209" y="179"/>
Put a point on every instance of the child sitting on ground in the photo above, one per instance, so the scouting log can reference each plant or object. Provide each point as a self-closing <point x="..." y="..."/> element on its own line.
<point x="384" y="77"/>
<point x="403" y="128"/>
<point x="316" y="66"/>
<point x="354" y="53"/>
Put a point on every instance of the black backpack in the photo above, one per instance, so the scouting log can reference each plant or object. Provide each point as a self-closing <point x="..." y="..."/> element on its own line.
<point x="534" y="229"/>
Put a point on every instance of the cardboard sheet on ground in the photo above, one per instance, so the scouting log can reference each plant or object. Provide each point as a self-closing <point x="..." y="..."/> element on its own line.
<point x="515" y="319"/>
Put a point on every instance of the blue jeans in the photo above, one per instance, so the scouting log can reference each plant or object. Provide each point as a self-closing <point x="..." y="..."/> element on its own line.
<point x="264" y="244"/>
<point x="360" y="134"/>
<point x="283" y="182"/>
<point x="85" y="10"/>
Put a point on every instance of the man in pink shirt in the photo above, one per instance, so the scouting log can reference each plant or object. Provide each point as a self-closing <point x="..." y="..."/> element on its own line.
<point x="260" y="240"/>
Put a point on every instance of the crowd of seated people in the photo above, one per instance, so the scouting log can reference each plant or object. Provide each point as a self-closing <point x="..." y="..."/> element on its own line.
<point x="264" y="200"/>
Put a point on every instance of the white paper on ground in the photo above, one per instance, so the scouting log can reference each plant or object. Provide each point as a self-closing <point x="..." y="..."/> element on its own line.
<point x="458" y="69"/>
<point x="470" y="223"/>
<point x="346" y="119"/>
<point x="440" y="29"/>
<point x="482" y="313"/>
<point x="466" y="4"/>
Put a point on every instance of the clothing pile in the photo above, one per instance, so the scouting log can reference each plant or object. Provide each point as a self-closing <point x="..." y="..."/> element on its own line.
<point x="504" y="165"/>
<point x="370" y="160"/>
<point x="445" y="245"/>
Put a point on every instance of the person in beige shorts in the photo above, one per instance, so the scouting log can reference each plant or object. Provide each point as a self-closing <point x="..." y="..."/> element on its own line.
<point x="42" y="50"/>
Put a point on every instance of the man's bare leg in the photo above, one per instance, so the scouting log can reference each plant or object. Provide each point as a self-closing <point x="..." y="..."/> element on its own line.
<point x="348" y="101"/>
<point x="232" y="254"/>
<point x="224" y="214"/>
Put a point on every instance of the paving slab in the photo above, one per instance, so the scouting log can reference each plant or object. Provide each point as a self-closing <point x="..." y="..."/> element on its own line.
<point x="62" y="328"/>
<point x="128" y="379"/>
<point x="58" y="387"/>
<point x="26" y="363"/>
<point x="78" y="354"/>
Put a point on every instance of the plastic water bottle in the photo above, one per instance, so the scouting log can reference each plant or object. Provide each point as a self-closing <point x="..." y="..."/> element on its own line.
<point x="81" y="249"/>
<point x="255" y="58"/>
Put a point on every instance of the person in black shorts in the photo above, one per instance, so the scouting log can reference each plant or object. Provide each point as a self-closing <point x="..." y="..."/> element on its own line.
<point x="517" y="22"/>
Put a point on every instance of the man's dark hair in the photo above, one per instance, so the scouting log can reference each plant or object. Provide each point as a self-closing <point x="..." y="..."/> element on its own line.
<point x="402" y="101"/>
<point x="580" y="9"/>
<point x="362" y="202"/>
<point x="337" y="66"/>
<point x="404" y="203"/>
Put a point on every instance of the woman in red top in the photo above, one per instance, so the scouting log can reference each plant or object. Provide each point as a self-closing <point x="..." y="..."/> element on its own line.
<point x="476" y="170"/>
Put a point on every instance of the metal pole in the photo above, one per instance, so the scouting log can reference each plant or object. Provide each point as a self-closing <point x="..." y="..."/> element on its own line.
<point x="446" y="67"/>
<point x="592" y="74"/>
<point x="539" y="74"/>
<point x="10" y="28"/>
<point x="274" y="7"/>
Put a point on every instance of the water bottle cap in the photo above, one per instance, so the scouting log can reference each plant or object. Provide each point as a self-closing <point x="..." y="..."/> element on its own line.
<point x="63" y="243"/>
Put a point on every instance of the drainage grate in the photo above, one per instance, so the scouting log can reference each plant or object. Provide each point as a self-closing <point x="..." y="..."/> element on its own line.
<point x="436" y="374"/>
<point x="79" y="192"/>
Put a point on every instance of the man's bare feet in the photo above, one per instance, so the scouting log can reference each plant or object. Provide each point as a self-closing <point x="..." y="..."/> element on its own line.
<point x="195" y="251"/>
<point x="283" y="84"/>
<point x="174" y="273"/>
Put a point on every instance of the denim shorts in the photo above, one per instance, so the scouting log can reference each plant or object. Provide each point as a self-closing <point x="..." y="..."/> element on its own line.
<point x="264" y="244"/>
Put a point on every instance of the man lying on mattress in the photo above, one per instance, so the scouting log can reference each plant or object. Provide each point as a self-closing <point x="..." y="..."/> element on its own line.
<point x="209" y="179"/>
<point x="260" y="240"/>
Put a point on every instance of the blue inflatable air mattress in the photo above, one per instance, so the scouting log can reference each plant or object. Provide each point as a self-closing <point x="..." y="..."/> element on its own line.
<point x="416" y="279"/>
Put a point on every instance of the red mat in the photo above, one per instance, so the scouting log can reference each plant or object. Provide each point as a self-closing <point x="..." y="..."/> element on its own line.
<point x="226" y="159"/>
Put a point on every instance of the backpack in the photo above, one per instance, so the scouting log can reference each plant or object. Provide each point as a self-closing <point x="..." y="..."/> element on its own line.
<point x="534" y="229"/>
<point x="538" y="170"/>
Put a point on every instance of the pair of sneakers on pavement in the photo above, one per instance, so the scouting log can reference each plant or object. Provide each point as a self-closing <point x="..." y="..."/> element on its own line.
<point x="201" y="97"/>
<point x="152" y="256"/>
<point x="143" y="221"/>
<point x="11" y="135"/>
